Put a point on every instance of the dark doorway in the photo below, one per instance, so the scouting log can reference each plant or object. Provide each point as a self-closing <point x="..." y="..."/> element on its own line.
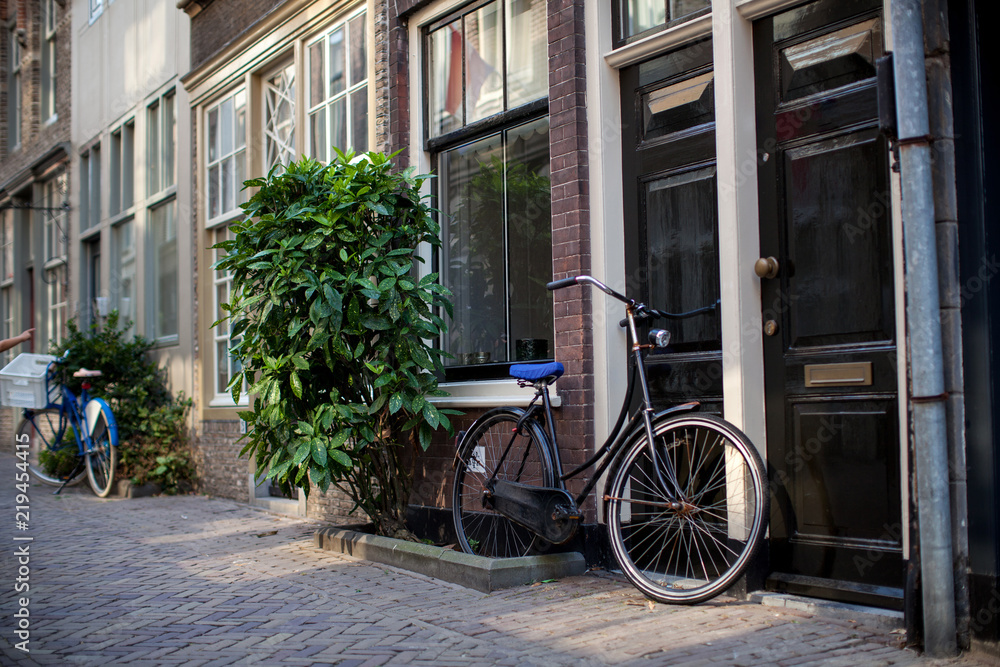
<point x="828" y="305"/>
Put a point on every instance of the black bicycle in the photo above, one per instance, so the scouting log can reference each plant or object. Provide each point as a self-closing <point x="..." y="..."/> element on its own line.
<point x="685" y="500"/>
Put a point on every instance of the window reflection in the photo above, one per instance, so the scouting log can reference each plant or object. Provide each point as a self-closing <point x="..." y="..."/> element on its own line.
<point x="497" y="252"/>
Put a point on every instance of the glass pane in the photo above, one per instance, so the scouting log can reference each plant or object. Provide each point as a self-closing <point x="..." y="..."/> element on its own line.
<point x="338" y="123"/>
<point x="359" y="119"/>
<point x="228" y="201"/>
<point x="830" y="61"/>
<point x="153" y="149"/>
<point x="681" y="8"/>
<point x="529" y="233"/>
<point x="317" y="134"/>
<point x="128" y="168"/>
<point x="679" y="106"/>
<point x="527" y="52"/>
<point x="221" y="297"/>
<point x="683" y="254"/>
<point x="472" y="253"/>
<point x="222" y="362"/>
<point x="213" y="135"/>
<point x="837" y="235"/>
<point x="115" y="205"/>
<point x="239" y="169"/>
<point x="95" y="187"/>
<point x="316" y="77"/>
<point x="240" y="102"/>
<point x="214" y="190"/>
<point x="164" y="270"/>
<point x="226" y="128"/>
<point x="483" y="63"/>
<point x="338" y="72"/>
<point x="444" y="87"/>
<point x="641" y="15"/>
<point x="169" y="139"/>
<point x="359" y="63"/>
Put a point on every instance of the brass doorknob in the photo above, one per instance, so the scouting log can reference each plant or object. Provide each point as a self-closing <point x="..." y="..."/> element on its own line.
<point x="766" y="267"/>
<point x="770" y="327"/>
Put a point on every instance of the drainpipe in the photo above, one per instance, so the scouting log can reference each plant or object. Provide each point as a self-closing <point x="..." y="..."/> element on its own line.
<point x="923" y="323"/>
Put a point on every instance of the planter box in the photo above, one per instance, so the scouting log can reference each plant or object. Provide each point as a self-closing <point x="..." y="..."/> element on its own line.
<point x="476" y="572"/>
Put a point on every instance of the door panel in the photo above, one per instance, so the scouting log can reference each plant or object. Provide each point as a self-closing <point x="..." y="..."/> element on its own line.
<point x="829" y="338"/>
<point x="671" y="215"/>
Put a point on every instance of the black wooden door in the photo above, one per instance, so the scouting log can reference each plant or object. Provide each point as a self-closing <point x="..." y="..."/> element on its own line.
<point x="828" y="304"/>
<point x="671" y="215"/>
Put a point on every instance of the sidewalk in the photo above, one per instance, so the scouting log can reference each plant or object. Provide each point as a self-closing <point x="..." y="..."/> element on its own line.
<point x="199" y="581"/>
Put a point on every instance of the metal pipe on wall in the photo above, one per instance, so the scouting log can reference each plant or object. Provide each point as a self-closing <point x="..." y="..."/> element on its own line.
<point x="923" y="323"/>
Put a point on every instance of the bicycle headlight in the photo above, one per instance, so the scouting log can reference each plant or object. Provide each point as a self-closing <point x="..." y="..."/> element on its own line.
<point x="659" y="337"/>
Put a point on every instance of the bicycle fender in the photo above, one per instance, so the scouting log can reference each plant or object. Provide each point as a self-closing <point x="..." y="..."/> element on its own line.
<point x="91" y="412"/>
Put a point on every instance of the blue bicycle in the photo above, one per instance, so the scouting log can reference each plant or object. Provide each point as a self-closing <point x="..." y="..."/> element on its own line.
<point x="70" y="435"/>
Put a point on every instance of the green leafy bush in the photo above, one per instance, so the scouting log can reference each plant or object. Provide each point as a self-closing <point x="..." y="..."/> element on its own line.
<point x="331" y="328"/>
<point x="151" y="422"/>
<point x="63" y="461"/>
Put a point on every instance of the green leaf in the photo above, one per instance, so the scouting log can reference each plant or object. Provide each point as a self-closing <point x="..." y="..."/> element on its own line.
<point x="395" y="403"/>
<point x="296" y="384"/>
<point x="340" y="457"/>
<point x="319" y="452"/>
<point x="302" y="453"/>
<point x="431" y="415"/>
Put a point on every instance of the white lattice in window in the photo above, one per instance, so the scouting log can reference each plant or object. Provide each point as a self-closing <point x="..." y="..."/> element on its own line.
<point x="279" y="117"/>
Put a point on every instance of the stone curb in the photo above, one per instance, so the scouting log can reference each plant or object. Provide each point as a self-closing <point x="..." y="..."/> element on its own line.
<point x="475" y="572"/>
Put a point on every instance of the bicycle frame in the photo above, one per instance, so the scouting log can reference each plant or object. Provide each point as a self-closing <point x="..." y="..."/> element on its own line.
<point x="607" y="453"/>
<point x="72" y="407"/>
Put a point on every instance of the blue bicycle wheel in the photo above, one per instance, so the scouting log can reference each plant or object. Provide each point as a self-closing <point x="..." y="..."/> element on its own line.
<point x="52" y="450"/>
<point x="102" y="450"/>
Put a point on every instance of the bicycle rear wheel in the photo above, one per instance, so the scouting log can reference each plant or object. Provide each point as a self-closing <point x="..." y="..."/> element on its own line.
<point x="691" y="553"/>
<point x="48" y="436"/>
<point x="481" y="530"/>
<point x="103" y="454"/>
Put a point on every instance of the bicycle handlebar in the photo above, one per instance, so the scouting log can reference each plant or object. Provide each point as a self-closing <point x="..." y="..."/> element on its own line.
<point x="642" y="312"/>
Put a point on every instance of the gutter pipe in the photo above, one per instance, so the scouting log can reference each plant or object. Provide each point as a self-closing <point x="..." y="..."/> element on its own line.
<point x="923" y="323"/>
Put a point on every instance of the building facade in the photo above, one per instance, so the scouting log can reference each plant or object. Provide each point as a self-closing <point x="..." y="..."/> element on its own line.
<point x="765" y="154"/>
<point x="35" y="168"/>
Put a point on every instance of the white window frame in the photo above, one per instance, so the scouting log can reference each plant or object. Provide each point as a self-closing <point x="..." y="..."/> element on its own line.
<point x="220" y="333"/>
<point x="274" y="135"/>
<point x="152" y="291"/>
<point x="56" y="248"/>
<point x="122" y="169"/>
<point x="90" y="187"/>
<point x="48" y="62"/>
<point x="6" y="247"/>
<point x="238" y="153"/>
<point x="161" y="144"/>
<point x="348" y="93"/>
<point x="123" y="267"/>
<point x="96" y="9"/>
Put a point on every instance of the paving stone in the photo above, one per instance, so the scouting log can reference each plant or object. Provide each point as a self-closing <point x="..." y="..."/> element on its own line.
<point x="186" y="581"/>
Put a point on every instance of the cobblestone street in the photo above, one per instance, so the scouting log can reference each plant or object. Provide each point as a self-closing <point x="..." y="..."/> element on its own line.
<point x="199" y="581"/>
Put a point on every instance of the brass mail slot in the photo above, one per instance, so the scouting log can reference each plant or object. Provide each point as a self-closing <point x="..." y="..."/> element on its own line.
<point x="856" y="374"/>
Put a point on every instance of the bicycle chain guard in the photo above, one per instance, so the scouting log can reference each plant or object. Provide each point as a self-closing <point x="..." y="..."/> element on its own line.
<point x="549" y="513"/>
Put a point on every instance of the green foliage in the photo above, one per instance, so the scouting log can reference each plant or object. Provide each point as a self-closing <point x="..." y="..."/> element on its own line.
<point x="151" y="422"/>
<point x="331" y="327"/>
<point x="172" y="472"/>
<point x="60" y="462"/>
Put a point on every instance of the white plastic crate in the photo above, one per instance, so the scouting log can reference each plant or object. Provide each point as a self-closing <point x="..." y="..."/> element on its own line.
<point x="22" y="381"/>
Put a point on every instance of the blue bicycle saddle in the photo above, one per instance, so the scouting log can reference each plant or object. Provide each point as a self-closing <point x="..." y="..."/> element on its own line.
<point x="552" y="369"/>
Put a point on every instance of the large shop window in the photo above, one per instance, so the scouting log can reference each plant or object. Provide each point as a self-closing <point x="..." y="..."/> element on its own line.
<point x="338" y="90"/>
<point x="489" y="138"/>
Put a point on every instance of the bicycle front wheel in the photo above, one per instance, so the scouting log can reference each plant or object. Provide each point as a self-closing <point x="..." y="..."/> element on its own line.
<point x="690" y="548"/>
<point x="481" y="530"/>
<point x="102" y="456"/>
<point x="52" y="449"/>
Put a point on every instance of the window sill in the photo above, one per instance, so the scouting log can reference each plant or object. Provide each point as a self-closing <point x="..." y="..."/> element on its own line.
<point x="488" y="394"/>
<point x="227" y="402"/>
<point x="166" y="341"/>
<point x="659" y="42"/>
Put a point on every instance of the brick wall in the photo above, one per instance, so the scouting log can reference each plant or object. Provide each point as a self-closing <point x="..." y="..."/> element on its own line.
<point x="223" y="21"/>
<point x="37" y="136"/>
<point x="221" y="471"/>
